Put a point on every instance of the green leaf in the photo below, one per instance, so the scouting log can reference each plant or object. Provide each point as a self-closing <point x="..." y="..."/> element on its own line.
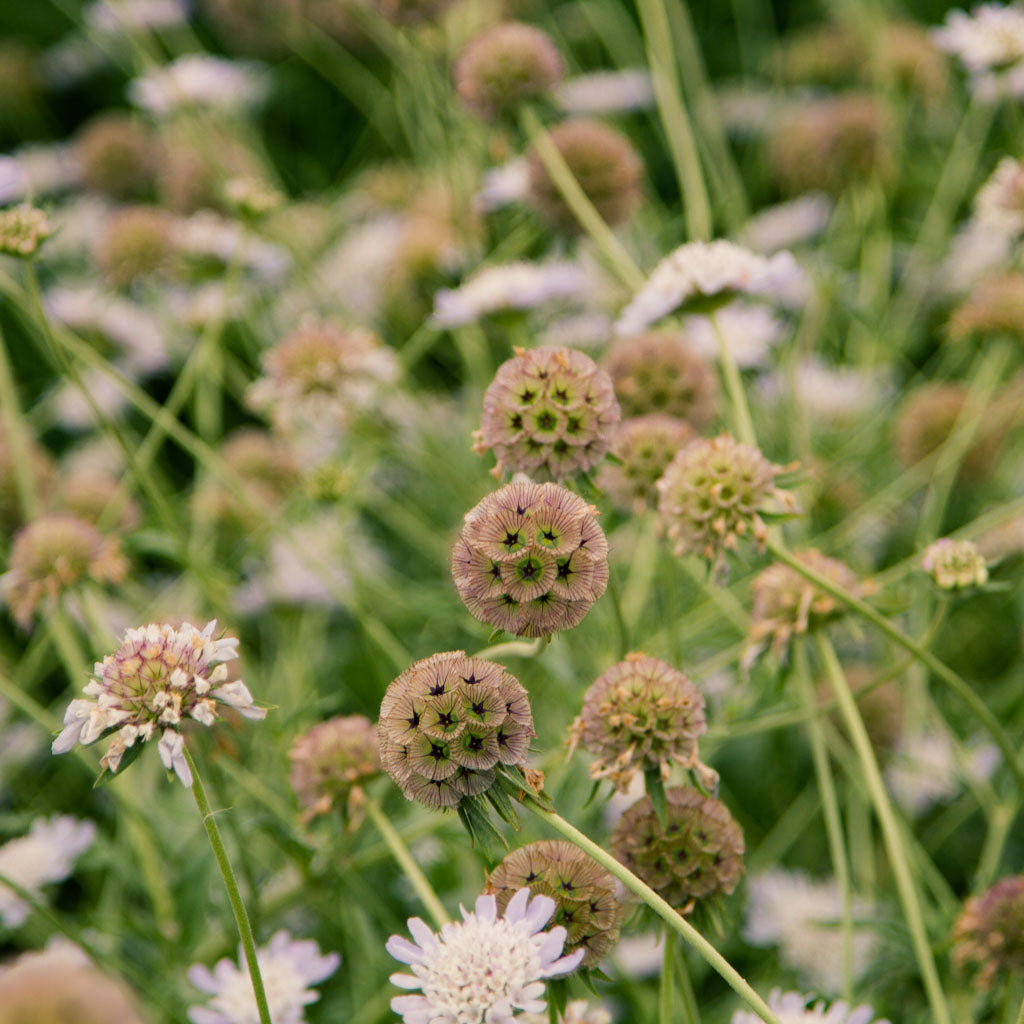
<point x="656" y="791"/>
<point x="127" y="758"/>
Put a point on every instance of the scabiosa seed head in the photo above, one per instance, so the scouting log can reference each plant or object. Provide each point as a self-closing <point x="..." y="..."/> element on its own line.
<point x="53" y="554"/>
<point x="988" y="936"/>
<point x="549" y="412"/>
<point x="787" y="605"/>
<point x="484" y="969"/>
<point x="712" y="493"/>
<point x="661" y="372"/>
<point x="531" y="559"/>
<point x="583" y="891"/>
<point x="641" y="714"/>
<point x="604" y="163"/>
<point x="955" y="564"/>
<point x="506" y="65"/>
<point x="995" y="306"/>
<point x="699" y="854"/>
<point x="136" y="242"/>
<point x="117" y="157"/>
<point x="331" y="762"/>
<point x="447" y="723"/>
<point x="644" y="447"/>
<point x="159" y="677"/>
<point x="23" y="229"/>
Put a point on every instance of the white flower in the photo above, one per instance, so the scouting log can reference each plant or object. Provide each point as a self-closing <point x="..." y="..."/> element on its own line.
<point x="207" y="235"/>
<point x="46" y="854"/>
<point x="794" y="1008"/>
<point x="606" y="92"/>
<point x="288" y="968"/>
<point x="503" y="186"/>
<point x="705" y="270"/>
<point x="999" y="204"/>
<point x="507" y="286"/>
<point x="117" y="17"/>
<point x="484" y="968"/>
<point x="197" y="80"/>
<point x="975" y="251"/>
<point x="787" y="224"/>
<point x="643" y="955"/>
<point x="927" y="769"/>
<point x="832" y="393"/>
<point x="990" y="44"/>
<point x="71" y="401"/>
<point x="576" y="1012"/>
<point x="750" y="331"/>
<point x="802" y="917"/>
<point x="36" y="171"/>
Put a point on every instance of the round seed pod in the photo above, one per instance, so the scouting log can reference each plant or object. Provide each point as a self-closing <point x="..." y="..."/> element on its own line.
<point x="531" y="559"/>
<point x="447" y="722"/>
<point x="331" y="760"/>
<point x="988" y="936"/>
<point x="698" y="854"/>
<point x="583" y="891"/>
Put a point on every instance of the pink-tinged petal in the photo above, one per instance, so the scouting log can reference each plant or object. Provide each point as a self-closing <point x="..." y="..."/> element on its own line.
<point x="486" y="908"/>
<point x="200" y="1015"/>
<point x="68" y="737"/>
<point x="403" y="950"/>
<point x="539" y="912"/>
<point x="552" y="944"/>
<point x="422" y="934"/>
<point x="566" y="965"/>
<point x="405" y="981"/>
<point x="516" y="909"/>
<point x="531" y="993"/>
<point x="202" y="978"/>
<point x="412" y="1009"/>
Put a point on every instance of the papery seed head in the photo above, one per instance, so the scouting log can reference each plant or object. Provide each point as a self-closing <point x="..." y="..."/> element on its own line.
<point x="331" y="760"/>
<point x="988" y="936"/>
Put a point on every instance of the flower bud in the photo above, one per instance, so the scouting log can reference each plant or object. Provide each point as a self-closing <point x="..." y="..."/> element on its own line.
<point x="531" y="559"/>
<point x="583" y="891"/>
<point x="332" y="761"/>
<point x="697" y="855"/>
<point x="988" y="936"/>
<point x="549" y="413"/>
<point x="955" y="564"/>
<point x="447" y="723"/>
<point x="23" y="229"/>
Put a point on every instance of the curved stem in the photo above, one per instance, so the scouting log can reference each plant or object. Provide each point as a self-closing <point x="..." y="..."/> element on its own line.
<point x="231" y="884"/>
<point x="898" y="858"/>
<point x="664" y="910"/>
<point x="514" y="648"/>
<point x="936" y="667"/>
<point x="418" y="880"/>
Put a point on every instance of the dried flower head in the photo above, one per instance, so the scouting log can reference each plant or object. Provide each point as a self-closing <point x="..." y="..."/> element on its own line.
<point x="23" y="229"/>
<point x="644" y="446"/>
<point x="641" y="714"/>
<point x="603" y="162"/>
<point x="531" y="559"/>
<point x="447" y="723"/>
<point x="583" y="891"/>
<point x="955" y="564"/>
<point x="135" y="242"/>
<point x="57" y="988"/>
<point x="829" y="143"/>
<point x="159" y="677"/>
<point x="994" y="306"/>
<point x="702" y="276"/>
<point x="988" y="936"/>
<point x="787" y="605"/>
<point x="319" y="378"/>
<point x="483" y="969"/>
<point x="660" y="372"/>
<point x="549" y="413"/>
<point x="698" y="854"/>
<point x="53" y="554"/>
<point x="506" y="65"/>
<point x="929" y="416"/>
<point x="712" y="494"/>
<point x="331" y="762"/>
<point x="117" y="157"/>
<point x="796" y="1008"/>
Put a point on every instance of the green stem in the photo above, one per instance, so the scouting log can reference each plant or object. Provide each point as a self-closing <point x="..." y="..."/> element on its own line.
<point x="231" y="884"/>
<point x="674" y="119"/>
<point x="514" y="649"/>
<point x="898" y="858"/>
<point x="576" y="199"/>
<point x="664" y="910"/>
<point x="418" y="880"/>
<point x="17" y="438"/>
<point x="830" y="812"/>
<point x="667" y="990"/>
<point x="691" y="1014"/>
<point x="1020" y="1013"/>
<point x="936" y="667"/>
<point x="734" y="385"/>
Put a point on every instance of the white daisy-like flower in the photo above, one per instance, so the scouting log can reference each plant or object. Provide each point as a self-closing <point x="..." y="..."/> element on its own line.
<point x="606" y="92"/>
<point x="990" y="44"/>
<point x="518" y="285"/>
<point x="288" y="967"/>
<point x="503" y="186"/>
<point x="788" y="224"/>
<point x="483" y="969"/>
<point x="796" y="1008"/>
<point x="158" y="677"/>
<point x="751" y="332"/>
<point x="802" y="917"/>
<point x="198" y="80"/>
<point x="46" y="854"/>
<point x="700" y="271"/>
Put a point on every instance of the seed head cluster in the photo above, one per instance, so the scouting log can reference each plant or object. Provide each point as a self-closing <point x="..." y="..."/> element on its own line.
<point x="23" y="229"/>
<point x="988" y="937"/>
<point x="531" y="559"/>
<point x="447" y="723"/>
<point x="955" y="564"/>
<point x="697" y="855"/>
<point x="549" y="412"/>
<point x="642" y="713"/>
<point x="583" y="891"/>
